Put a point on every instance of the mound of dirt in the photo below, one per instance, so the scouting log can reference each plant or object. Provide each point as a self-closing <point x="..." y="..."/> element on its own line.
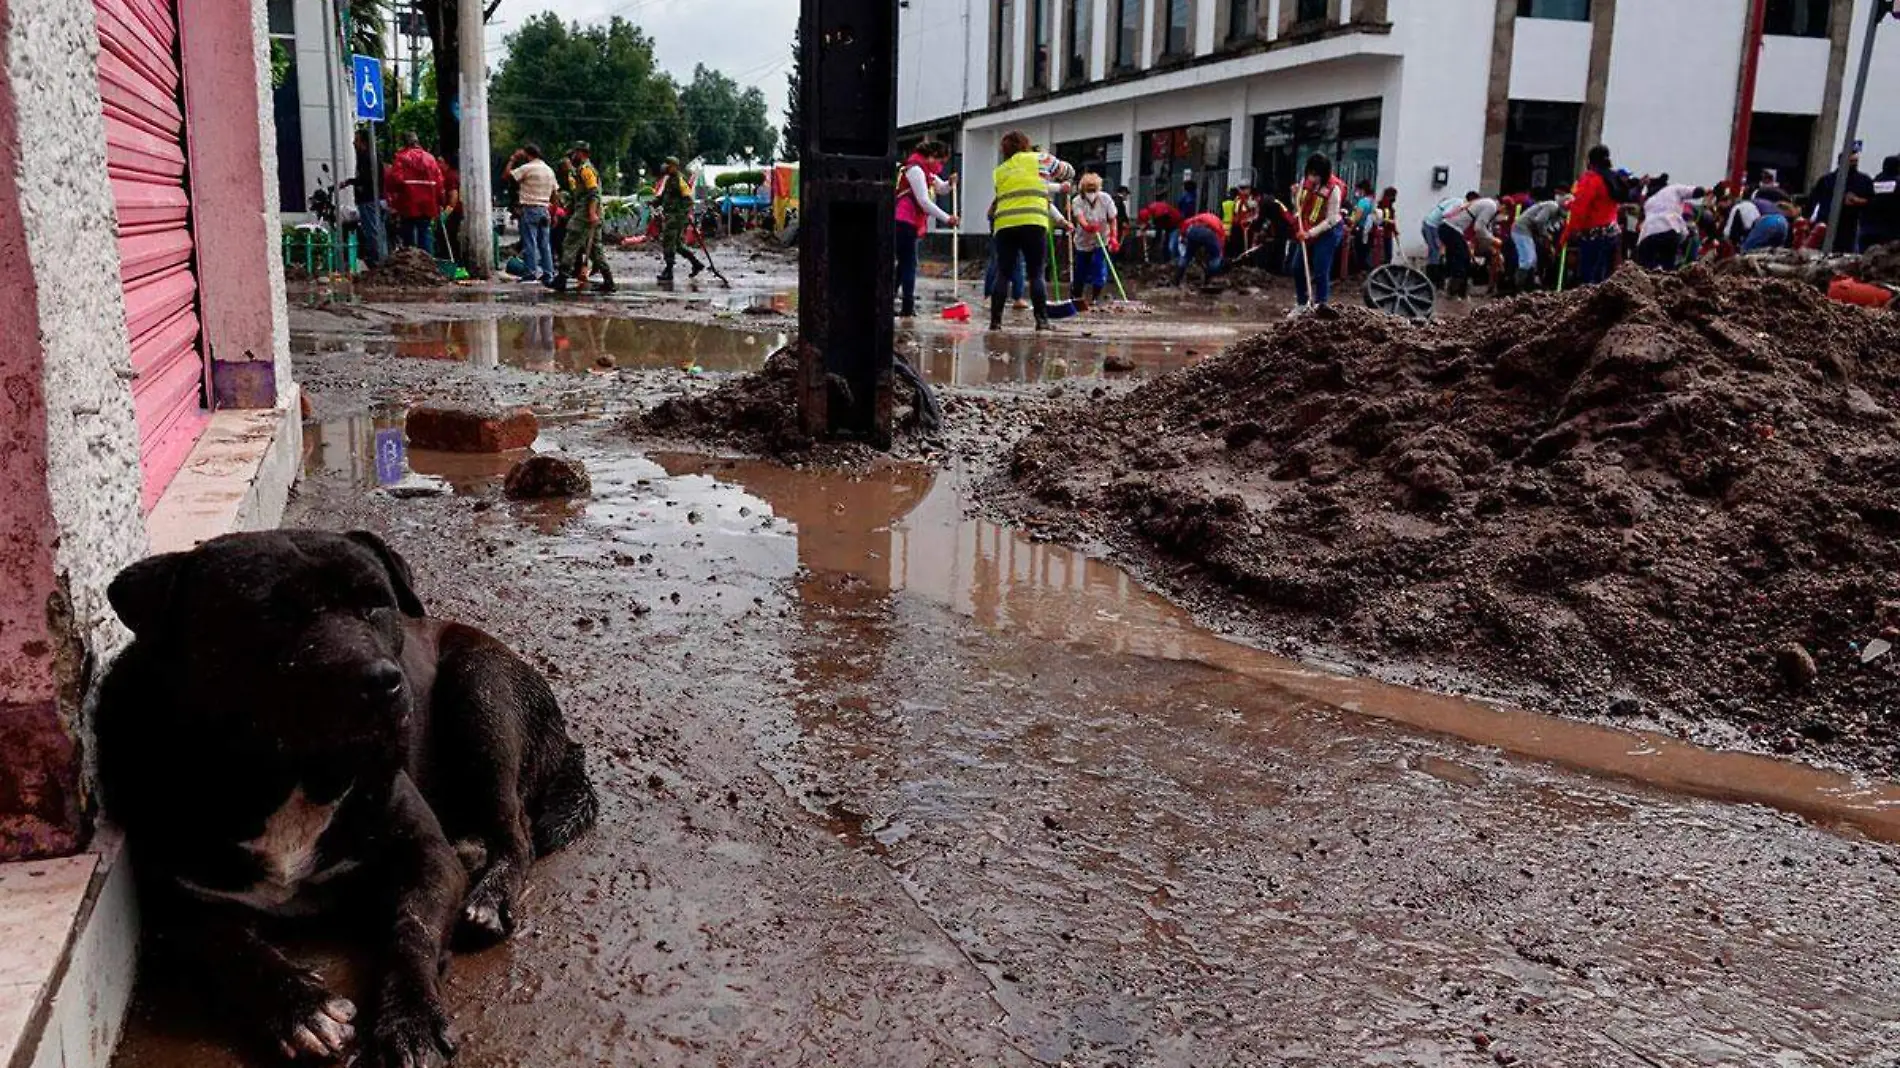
<point x="1668" y="495"/>
<point x="757" y="411"/>
<point x="406" y="268"/>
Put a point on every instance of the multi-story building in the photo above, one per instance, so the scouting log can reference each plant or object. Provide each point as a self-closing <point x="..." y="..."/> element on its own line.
<point x="1432" y="97"/>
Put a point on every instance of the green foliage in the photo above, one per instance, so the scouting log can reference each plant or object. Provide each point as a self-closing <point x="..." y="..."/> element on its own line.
<point x="749" y="179"/>
<point x="725" y="121"/>
<point x="564" y="82"/>
<point x="279" y="63"/>
<point x="794" y="128"/>
<point x="368" y="20"/>
<point x="415" y="116"/>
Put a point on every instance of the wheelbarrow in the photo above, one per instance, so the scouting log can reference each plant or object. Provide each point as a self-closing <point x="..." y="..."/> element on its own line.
<point x="1397" y="289"/>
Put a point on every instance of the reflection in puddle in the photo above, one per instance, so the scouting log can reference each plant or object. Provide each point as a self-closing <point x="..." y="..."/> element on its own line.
<point x="370" y="451"/>
<point x="963" y="355"/>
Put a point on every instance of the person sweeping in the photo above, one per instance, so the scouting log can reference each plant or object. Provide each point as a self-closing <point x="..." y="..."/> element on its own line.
<point x="1020" y="220"/>
<point x="675" y="201"/>
<point x="919" y="183"/>
<point x="1092" y="214"/>
<point x="1319" y="211"/>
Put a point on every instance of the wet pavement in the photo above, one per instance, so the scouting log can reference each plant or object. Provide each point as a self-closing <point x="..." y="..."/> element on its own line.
<point x="888" y="784"/>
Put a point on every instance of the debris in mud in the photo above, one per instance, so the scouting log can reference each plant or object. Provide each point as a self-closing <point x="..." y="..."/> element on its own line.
<point x="469" y="429"/>
<point x="406" y="268"/>
<point x="1649" y="494"/>
<point x="542" y="477"/>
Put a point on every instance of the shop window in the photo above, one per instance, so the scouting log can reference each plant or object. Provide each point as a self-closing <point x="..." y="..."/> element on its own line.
<point x="1540" y="145"/>
<point x="1002" y="56"/>
<point x="1347" y="133"/>
<point x="1795" y="18"/>
<point x="1075" y="39"/>
<point x="1781" y="143"/>
<point x="1572" y="10"/>
<point x="1305" y="11"/>
<point x="1173" y="156"/>
<point x="1102" y="155"/>
<point x="1127" y="32"/>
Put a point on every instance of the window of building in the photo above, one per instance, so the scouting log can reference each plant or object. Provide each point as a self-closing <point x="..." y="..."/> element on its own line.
<point x="286" y="109"/>
<point x="1310" y="11"/>
<point x="1178" y="40"/>
<point x="1347" y="133"/>
<point x="1540" y="145"/>
<point x="1002" y="56"/>
<point x="1574" y="10"/>
<point x="1796" y="18"/>
<point x="1125" y="32"/>
<point x="1172" y="156"/>
<point x="1243" y="20"/>
<point x="1102" y="155"/>
<point x="1781" y="143"/>
<point x="1041" y="15"/>
<point x="1075" y="40"/>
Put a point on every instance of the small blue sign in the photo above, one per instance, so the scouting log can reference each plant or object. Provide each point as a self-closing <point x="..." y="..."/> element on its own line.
<point x="391" y="456"/>
<point x="366" y="75"/>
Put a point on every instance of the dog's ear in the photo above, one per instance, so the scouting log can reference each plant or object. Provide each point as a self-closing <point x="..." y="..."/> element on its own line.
<point x="399" y="574"/>
<point x="142" y="593"/>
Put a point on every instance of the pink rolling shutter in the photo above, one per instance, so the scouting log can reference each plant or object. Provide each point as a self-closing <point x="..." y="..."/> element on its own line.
<point x="140" y="83"/>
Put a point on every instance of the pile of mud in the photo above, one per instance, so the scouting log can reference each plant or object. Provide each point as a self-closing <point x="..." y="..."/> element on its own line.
<point x="1675" y="496"/>
<point x="406" y="268"/>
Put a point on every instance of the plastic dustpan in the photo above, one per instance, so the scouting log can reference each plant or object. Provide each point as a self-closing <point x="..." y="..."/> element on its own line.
<point x="957" y="313"/>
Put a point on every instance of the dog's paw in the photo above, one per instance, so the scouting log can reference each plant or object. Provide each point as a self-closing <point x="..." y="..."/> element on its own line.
<point x="319" y="1027"/>
<point x="487" y="920"/>
<point x="409" y="1038"/>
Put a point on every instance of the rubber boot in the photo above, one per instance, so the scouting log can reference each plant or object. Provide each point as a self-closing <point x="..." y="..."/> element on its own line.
<point x="666" y="274"/>
<point x="1042" y="323"/>
<point x="559" y="282"/>
<point x="697" y="266"/>
<point x="606" y="280"/>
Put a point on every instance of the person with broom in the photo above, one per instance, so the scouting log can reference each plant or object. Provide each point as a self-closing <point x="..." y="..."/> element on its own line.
<point x="1092" y="216"/>
<point x="1021" y="219"/>
<point x="919" y="183"/>
<point x="675" y="201"/>
<point x="1319" y="213"/>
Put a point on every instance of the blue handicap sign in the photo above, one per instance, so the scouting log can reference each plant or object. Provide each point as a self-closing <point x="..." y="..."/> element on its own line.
<point x="366" y="76"/>
<point x="390" y="456"/>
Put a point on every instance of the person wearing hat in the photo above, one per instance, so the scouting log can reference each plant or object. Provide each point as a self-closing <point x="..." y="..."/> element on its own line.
<point x="675" y="200"/>
<point x="580" y="247"/>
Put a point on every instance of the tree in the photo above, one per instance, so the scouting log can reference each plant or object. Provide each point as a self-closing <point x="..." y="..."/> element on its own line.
<point x="794" y="122"/>
<point x="662" y="131"/>
<point x="369" y="21"/>
<point x="724" y="121"/>
<point x="560" y="83"/>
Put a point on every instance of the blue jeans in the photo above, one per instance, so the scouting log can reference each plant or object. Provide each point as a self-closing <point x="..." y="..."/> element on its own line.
<point x="1433" y="252"/>
<point x="419" y="233"/>
<point x="1526" y="250"/>
<point x="1319" y="252"/>
<point x="906" y="239"/>
<point x="1595" y="257"/>
<point x="1770" y="231"/>
<point x="1199" y="243"/>
<point x="369" y="232"/>
<point x="537" y="246"/>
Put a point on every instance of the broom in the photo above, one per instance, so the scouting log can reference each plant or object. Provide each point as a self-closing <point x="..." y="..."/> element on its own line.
<point x="957" y="311"/>
<point x="1057" y="309"/>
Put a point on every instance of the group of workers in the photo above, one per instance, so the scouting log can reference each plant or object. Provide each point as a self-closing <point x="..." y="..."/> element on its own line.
<point x="563" y="210"/>
<point x="418" y="190"/>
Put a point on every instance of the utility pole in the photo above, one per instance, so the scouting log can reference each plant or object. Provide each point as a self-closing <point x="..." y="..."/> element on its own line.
<point x="1745" y="98"/>
<point x="1879" y="9"/>
<point x="477" y="204"/>
<point x="846" y="281"/>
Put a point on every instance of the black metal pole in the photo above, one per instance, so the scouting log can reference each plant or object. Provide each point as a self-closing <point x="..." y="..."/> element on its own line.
<point x="1879" y="11"/>
<point x="847" y="204"/>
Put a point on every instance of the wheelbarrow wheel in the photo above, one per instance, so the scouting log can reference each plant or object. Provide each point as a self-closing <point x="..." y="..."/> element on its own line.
<point x="1396" y="289"/>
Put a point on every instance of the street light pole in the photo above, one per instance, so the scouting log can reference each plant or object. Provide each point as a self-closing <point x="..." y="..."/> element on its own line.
<point x="1879" y="9"/>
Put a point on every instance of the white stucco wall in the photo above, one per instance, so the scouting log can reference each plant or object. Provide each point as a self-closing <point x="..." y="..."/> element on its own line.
<point x="1793" y="76"/>
<point x="267" y="168"/>
<point x="1439" y="116"/>
<point x="66" y="206"/>
<point x="1674" y="70"/>
<point x="1550" y="59"/>
<point x="937" y="63"/>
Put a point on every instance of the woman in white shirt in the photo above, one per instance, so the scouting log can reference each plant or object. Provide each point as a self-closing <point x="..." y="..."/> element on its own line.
<point x="1659" y="241"/>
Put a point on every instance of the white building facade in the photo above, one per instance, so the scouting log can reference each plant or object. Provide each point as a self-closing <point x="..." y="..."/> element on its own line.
<point x="1431" y="97"/>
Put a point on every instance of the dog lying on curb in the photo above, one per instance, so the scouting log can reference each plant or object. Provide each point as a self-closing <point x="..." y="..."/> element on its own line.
<point x="290" y="735"/>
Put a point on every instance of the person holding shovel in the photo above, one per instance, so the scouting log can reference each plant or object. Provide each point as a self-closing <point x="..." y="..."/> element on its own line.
<point x="1318" y="211"/>
<point x="675" y="201"/>
<point x="919" y="183"/>
<point x="1021" y="219"/>
<point x="580" y="246"/>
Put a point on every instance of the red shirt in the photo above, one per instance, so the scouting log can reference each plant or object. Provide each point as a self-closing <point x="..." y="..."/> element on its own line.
<point x="1163" y="214"/>
<point x="416" y="184"/>
<point x="1209" y="220"/>
<point x="1592" y="208"/>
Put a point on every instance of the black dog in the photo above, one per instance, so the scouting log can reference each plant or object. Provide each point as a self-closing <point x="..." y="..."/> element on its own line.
<point x="288" y="735"/>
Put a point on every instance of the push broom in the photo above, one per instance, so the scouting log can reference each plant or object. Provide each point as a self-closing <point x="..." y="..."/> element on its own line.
<point x="958" y="311"/>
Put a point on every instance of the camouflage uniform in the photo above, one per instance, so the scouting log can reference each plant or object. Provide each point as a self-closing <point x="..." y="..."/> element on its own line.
<point x="580" y="247"/>
<point x="676" y="201"/>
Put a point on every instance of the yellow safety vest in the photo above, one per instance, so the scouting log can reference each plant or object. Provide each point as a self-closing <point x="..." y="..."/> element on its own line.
<point x="1022" y="197"/>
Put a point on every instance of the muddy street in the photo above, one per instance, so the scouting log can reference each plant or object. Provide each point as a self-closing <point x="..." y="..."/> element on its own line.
<point x="888" y="783"/>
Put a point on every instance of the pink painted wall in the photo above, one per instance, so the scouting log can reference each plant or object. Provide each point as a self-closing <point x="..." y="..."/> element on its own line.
<point x="234" y="212"/>
<point x="39" y="758"/>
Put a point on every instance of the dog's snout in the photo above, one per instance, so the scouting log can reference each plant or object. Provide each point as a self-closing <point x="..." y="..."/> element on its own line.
<point x="382" y="681"/>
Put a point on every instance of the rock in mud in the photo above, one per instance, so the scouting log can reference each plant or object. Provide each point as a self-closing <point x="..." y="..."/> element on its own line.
<point x="1117" y="363"/>
<point x="543" y="477"/>
<point x="470" y="429"/>
<point x="1640" y="495"/>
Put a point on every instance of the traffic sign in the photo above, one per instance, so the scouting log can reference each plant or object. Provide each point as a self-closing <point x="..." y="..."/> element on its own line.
<point x="366" y="77"/>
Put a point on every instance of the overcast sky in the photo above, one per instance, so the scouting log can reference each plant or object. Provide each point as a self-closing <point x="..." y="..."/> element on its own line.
<point x="750" y="40"/>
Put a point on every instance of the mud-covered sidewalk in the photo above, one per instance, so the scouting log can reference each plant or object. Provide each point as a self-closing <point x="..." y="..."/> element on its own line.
<point x="887" y="784"/>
